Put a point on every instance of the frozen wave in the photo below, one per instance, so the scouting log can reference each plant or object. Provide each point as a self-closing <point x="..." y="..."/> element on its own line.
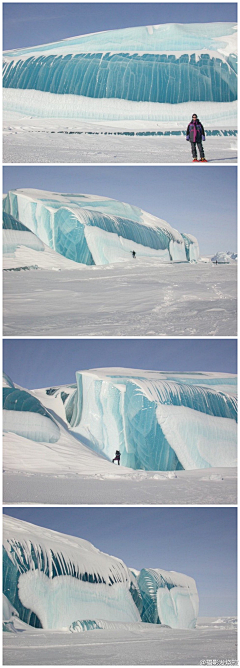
<point x="164" y="64"/>
<point x="91" y="230"/>
<point x="57" y="581"/>
<point x="158" y="421"/>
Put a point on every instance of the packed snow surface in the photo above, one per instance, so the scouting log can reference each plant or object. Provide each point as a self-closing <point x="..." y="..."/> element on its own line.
<point x="128" y="644"/>
<point x="27" y="138"/>
<point x="89" y="229"/>
<point x="146" y="67"/>
<point x="57" y="581"/>
<point x="140" y="297"/>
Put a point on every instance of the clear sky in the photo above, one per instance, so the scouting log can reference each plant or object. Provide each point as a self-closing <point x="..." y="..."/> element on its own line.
<point x="34" y="363"/>
<point x="203" y="204"/>
<point x="29" y="24"/>
<point x="200" y="542"/>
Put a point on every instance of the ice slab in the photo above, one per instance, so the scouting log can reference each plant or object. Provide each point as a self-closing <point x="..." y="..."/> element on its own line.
<point x="166" y="64"/>
<point x="91" y="230"/>
<point x="158" y="421"/>
<point x="57" y="581"/>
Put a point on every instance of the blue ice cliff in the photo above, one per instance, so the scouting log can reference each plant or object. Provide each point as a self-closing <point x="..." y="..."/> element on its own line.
<point x="90" y="229"/>
<point x="166" y="64"/>
<point x="55" y="581"/>
<point x="159" y="421"/>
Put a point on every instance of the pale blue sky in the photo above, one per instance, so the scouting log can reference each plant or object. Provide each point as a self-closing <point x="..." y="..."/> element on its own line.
<point x="202" y="203"/>
<point x="28" y="24"/>
<point x="200" y="542"/>
<point x="34" y="363"/>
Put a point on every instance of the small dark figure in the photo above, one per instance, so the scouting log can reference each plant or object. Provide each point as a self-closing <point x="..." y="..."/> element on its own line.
<point x="216" y="261"/>
<point x="195" y="134"/>
<point x="117" y="457"/>
<point x="133" y="254"/>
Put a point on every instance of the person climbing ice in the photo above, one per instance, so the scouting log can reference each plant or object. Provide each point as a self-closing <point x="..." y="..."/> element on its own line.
<point x="195" y="134"/>
<point x="117" y="457"/>
<point x="133" y="254"/>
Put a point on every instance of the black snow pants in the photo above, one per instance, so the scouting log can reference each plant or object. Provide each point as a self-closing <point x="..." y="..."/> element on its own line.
<point x="194" y="149"/>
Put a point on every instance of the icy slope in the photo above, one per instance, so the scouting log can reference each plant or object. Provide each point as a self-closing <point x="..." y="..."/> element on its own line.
<point x="89" y="229"/>
<point x="54" y="580"/>
<point x="163" y="64"/>
<point x="158" y="421"/>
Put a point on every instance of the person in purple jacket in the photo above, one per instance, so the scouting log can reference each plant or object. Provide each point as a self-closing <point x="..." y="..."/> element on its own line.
<point x="117" y="457"/>
<point x="195" y="134"/>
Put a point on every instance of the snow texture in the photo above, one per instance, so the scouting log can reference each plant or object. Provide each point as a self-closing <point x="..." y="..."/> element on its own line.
<point x="141" y="297"/>
<point x="128" y="644"/>
<point x="54" y="580"/>
<point x="89" y="229"/>
<point x="164" y="64"/>
<point x="158" y="421"/>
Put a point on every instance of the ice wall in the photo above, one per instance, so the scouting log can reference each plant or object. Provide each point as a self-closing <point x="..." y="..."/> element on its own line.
<point x="58" y="581"/>
<point x="93" y="230"/>
<point x="166" y="64"/>
<point x="158" y="421"/>
<point x="23" y="414"/>
<point x="164" y="594"/>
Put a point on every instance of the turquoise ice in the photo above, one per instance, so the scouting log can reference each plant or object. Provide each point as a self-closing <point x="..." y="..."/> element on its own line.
<point x="56" y="581"/>
<point x="23" y="414"/>
<point x="168" y="63"/>
<point x="89" y="229"/>
<point x="158" y="421"/>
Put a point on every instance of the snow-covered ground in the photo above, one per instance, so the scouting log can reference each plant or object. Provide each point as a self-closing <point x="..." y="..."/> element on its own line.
<point x="214" y="486"/>
<point x="135" y="298"/>
<point x="144" y="644"/>
<point x="28" y="139"/>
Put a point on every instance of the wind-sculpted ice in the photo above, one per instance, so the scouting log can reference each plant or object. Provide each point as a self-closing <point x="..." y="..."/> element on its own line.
<point x="55" y="581"/>
<point x="23" y="414"/>
<point x="162" y="64"/>
<point x="90" y="229"/>
<point x="158" y="421"/>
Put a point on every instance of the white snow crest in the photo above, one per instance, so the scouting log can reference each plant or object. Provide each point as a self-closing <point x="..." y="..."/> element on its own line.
<point x="22" y="540"/>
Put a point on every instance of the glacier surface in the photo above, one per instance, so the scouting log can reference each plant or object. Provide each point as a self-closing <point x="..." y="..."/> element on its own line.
<point x="153" y="65"/>
<point x="55" y="581"/>
<point x="90" y="229"/>
<point x="158" y="420"/>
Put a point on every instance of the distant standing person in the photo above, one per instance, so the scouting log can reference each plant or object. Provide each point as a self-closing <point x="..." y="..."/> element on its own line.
<point x="195" y="134"/>
<point x="117" y="457"/>
<point x="133" y="253"/>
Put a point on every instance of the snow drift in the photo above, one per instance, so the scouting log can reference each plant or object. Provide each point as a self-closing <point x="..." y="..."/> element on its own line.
<point x="55" y="581"/>
<point x="148" y="67"/>
<point x="89" y="229"/>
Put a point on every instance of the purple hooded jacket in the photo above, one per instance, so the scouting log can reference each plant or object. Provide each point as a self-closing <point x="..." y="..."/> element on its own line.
<point x="195" y="131"/>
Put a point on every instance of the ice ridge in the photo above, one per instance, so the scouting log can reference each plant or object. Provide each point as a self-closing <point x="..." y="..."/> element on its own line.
<point x="57" y="581"/>
<point x="157" y="421"/>
<point x="91" y="230"/>
<point x="171" y="63"/>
